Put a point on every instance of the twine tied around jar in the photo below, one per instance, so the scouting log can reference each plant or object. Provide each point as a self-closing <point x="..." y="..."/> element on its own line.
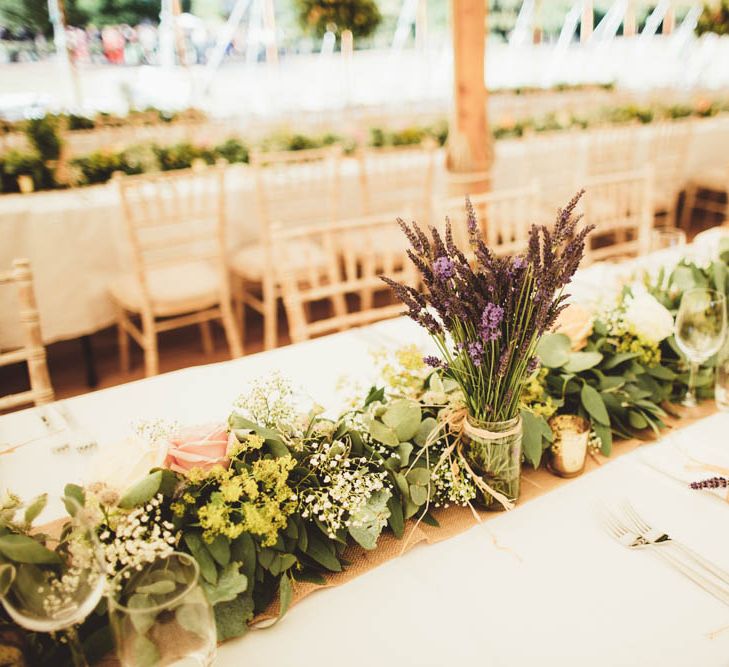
<point x="454" y="421"/>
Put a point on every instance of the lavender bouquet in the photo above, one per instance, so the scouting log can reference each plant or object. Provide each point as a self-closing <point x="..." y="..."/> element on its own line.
<point x="486" y="319"/>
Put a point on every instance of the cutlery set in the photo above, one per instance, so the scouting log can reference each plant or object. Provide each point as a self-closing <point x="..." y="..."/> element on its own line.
<point x="59" y="423"/>
<point x="624" y="524"/>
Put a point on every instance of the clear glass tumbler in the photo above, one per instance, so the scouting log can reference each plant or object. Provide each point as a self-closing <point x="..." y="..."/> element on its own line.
<point x="160" y="616"/>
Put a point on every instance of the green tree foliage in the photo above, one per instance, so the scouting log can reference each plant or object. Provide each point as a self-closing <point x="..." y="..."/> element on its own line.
<point x="114" y="12"/>
<point x="33" y="14"/>
<point x="360" y="16"/>
<point x="714" y="18"/>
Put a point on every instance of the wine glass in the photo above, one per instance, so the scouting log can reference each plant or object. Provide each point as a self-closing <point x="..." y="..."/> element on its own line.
<point x="160" y="615"/>
<point x="664" y="238"/>
<point x="55" y="578"/>
<point x="700" y="329"/>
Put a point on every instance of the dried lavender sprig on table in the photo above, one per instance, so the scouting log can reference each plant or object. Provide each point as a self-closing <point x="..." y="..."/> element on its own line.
<point x="711" y="483"/>
<point x="488" y="318"/>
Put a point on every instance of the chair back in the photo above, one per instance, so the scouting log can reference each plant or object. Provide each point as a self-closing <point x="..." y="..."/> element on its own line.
<point x="174" y="219"/>
<point x="669" y="143"/>
<point x="611" y="150"/>
<point x="33" y="353"/>
<point x="338" y="293"/>
<point x="297" y="187"/>
<point x="396" y="178"/>
<point x="504" y="218"/>
<point x="620" y="206"/>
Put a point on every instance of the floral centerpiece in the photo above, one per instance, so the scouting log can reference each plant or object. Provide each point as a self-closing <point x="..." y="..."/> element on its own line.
<point x="486" y="319"/>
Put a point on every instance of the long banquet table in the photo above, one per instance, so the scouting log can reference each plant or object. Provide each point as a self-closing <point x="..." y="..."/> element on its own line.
<point x="541" y="584"/>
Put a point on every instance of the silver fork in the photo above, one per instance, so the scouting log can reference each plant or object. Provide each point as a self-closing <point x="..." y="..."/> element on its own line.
<point x="659" y="538"/>
<point x="83" y="441"/>
<point x="632" y="540"/>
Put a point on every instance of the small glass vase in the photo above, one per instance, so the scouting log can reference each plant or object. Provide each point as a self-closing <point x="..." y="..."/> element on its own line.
<point x="493" y="451"/>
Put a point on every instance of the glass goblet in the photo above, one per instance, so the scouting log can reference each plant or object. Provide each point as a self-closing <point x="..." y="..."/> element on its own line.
<point x="664" y="238"/>
<point x="55" y="578"/>
<point x="700" y="329"/>
<point x="160" y="616"/>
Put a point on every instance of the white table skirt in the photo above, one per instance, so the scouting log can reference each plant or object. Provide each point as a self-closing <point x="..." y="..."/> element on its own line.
<point x="560" y="593"/>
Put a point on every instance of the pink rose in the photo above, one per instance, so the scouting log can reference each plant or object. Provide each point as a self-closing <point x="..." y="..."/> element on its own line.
<point x="203" y="447"/>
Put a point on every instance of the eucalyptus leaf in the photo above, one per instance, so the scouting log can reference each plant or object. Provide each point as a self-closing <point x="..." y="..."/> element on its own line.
<point x="145" y="652"/>
<point x="637" y="420"/>
<point x="403" y="417"/>
<point x="368" y="522"/>
<point x="396" y="520"/>
<point x="162" y="587"/>
<point x="35" y="508"/>
<point x="582" y="361"/>
<point x="207" y="565"/>
<point x="142" y="492"/>
<point x="76" y="493"/>
<point x="193" y="618"/>
<point x="531" y="437"/>
<point x="141" y="620"/>
<point x="419" y="494"/>
<point x="229" y="585"/>
<point x="424" y="430"/>
<point x="606" y="437"/>
<point x="617" y="359"/>
<point x="594" y="404"/>
<point x="382" y="433"/>
<point x="24" y="549"/>
<point x="419" y="476"/>
<point x="553" y="350"/>
<point x="219" y="549"/>
<point x="323" y="554"/>
<point x="404" y="449"/>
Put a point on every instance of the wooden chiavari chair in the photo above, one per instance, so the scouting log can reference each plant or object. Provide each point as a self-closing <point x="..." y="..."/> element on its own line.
<point x="397" y="177"/>
<point x="33" y="353"/>
<point x="611" y="150"/>
<point x="621" y="208"/>
<point x="708" y="192"/>
<point x="347" y="285"/>
<point x="294" y="188"/>
<point x="176" y="225"/>
<point x="504" y="218"/>
<point x="668" y="155"/>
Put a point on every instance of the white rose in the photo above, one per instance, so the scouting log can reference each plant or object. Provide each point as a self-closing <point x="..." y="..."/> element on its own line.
<point x="648" y="317"/>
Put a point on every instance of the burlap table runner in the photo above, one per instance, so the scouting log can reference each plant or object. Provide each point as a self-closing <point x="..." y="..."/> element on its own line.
<point x="455" y="520"/>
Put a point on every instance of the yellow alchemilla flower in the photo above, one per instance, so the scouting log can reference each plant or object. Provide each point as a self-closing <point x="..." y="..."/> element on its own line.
<point x="231" y="489"/>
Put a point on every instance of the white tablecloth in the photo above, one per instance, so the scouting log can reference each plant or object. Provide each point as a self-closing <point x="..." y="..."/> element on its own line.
<point x="76" y="243"/>
<point x="560" y="592"/>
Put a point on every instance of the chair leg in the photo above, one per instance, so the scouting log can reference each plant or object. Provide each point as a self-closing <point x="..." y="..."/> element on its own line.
<point x="689" y="203"/>
<point x="270" y="314"/>
<point x="151" y="355"/>
<point x="206" y="336"/>
<point x="122" y="339"/>
<point x="235" y="344"/>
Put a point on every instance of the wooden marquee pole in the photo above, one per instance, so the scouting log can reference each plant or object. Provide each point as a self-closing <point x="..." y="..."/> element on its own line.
<point x="470" y="148"/>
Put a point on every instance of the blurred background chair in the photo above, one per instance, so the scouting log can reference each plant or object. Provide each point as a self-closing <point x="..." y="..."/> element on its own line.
<point x="708" y="192"/>
<point x="292" y="188"/>
<point x="33" y="353"/>
<point x="504" y="218"/>
<point x="176" y="225"/>
<point x="396" y="178"/>
<point x="347" y="290"/>
<point x="620" y="205"/>
<point x="668" y="147"/>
